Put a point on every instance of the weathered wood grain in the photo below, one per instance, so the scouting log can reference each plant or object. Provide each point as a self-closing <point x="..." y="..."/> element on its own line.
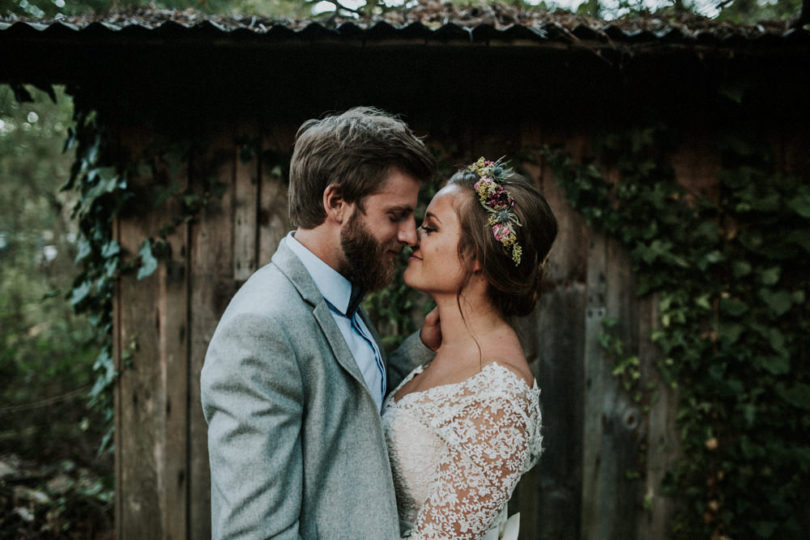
<point x="621" y="487"/>
<point x="595" y="392"/>
<point x="588" y="484"/>
<point x="662" y="437"/>
<point x="152" y="357"/>
<point x="245" y="203"/>
<point x="212" y="285"/>
<point x="139" y="405"/>
<point x="560" y="337"/>
<point x="274" y="220"/>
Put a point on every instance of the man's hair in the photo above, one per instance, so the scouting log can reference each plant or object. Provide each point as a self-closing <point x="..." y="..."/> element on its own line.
<point x="355" y="150"/>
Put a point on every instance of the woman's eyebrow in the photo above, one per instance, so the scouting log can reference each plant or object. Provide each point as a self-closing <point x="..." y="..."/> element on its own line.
<point x="431" y="215"/>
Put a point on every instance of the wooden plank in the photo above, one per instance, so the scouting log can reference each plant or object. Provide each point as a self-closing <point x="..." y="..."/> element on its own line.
<point x="568" y="261"/>
<point x="245" y="208"/>
<point x="525" y="498"/>
<point x="696" y="169"/>
<point x="620" y="489"/>
<point x="117" y="397"/>
<point x="560" y="335"/>
<point x="595" y="392"/>
<point x="611" y="453"/>
<point x="152" y="400"/>
<point x="136" y="460"/>
<point x="172" y="312"/>
<point x="212" y="285"/>
<point x="662" y="436"/>
<point x="274" y="218"/>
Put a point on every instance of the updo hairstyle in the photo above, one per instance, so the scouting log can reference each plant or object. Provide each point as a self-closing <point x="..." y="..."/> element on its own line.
<point x="513" y="289"/>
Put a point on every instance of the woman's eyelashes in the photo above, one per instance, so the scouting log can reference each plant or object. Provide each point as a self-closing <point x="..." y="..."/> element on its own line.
<point x="427" y="229"/>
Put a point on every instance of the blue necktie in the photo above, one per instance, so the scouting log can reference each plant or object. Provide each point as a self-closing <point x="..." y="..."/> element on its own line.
<point x="354" y="304"/>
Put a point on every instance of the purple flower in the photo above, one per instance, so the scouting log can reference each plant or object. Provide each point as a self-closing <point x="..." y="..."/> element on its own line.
<point x="502" y="231"/>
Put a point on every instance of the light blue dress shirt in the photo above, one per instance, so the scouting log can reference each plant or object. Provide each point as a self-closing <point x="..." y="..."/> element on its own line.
<point x="337" y="291"/>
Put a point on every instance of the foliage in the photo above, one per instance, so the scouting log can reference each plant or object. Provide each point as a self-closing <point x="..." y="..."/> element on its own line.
<point x="751" y="11"/>
<point x="46" y="351"/>
<point x="62" y="500"/>
<point x="99" y="187"/>
<point x="102" y="180"/>
<point x="57" y="8"/>
<point x="731" y="272"/>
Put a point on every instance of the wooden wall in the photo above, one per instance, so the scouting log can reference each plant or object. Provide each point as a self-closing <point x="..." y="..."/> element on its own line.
<point x="163" y="325"/>
<point x="604" y="458"/>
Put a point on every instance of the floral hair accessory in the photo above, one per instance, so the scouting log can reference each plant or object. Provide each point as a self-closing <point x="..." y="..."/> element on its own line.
<point x="497" y="201"/>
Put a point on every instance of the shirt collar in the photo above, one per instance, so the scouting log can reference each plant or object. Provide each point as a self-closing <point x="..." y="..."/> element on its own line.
<point x="334" y="287"/>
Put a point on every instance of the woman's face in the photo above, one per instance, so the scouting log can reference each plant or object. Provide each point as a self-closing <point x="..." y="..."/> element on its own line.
<point x="434" y="266"/>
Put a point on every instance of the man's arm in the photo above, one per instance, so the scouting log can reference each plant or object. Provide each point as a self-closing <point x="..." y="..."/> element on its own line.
<point x="417" y="349"/>
<point x="253" y="401"/>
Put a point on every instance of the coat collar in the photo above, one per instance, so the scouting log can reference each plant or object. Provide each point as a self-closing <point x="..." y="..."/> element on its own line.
<point x="291" y="266"/>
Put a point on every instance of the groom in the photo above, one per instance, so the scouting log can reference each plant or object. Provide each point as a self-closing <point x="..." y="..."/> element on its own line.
<point x="294" y="376"/>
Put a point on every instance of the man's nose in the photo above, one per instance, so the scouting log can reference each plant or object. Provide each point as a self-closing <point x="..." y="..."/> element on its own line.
<point x="407" y="232"/>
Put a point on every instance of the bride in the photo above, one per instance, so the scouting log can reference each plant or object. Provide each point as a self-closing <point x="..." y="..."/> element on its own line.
<point x="462" y="430"/>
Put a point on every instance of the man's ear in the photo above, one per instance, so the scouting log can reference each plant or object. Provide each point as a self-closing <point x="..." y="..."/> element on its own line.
<point x="335" y="206"/>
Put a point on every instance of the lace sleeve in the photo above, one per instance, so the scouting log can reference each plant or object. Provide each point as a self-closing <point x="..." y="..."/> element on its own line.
<point x="487" y="448"/>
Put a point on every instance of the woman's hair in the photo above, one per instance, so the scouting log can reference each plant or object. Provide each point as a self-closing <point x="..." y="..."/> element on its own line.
<point x="356" y="150"/>
<point x="513" y="288"/>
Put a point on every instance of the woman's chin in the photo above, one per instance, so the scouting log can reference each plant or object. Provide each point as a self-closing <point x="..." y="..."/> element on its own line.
<point x="407" y="277"/>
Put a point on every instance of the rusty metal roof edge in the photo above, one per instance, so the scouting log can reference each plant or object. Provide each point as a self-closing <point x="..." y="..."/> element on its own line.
<point x="450" y="32"/>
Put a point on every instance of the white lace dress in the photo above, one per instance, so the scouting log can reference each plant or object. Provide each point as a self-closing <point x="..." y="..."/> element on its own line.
<point x="458" y="450"/>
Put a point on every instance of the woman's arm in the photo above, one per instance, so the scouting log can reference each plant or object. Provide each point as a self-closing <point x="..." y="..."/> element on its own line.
<point x="486" y="449"/>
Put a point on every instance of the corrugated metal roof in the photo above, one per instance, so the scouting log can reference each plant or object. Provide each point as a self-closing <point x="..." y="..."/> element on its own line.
<point x="429" y="22"/>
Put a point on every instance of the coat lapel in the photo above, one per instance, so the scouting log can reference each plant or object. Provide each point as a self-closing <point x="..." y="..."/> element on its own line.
<point x="292" y="267"/>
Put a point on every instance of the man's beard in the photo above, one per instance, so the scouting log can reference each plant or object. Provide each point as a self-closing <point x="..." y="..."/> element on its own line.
<point x="368" y="264"/>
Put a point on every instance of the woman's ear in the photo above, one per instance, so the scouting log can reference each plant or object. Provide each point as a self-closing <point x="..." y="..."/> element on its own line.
<point x="335" y="206"/>
<point x="471" y="261"/>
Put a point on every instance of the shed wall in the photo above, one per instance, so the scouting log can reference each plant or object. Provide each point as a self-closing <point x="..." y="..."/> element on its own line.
<point x="603" y="459"/>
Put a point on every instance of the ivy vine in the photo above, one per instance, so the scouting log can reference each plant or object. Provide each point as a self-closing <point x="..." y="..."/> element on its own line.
<point x="730" y="272"/>
<point x="101" y="177"/>
<point x="731" y="275"/>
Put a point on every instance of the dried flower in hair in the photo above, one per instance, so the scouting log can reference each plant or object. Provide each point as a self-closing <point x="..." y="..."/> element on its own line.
<point x="496" y="200"/>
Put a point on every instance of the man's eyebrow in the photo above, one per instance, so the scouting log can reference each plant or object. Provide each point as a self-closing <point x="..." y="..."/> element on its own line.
<point x="402" y="209"/>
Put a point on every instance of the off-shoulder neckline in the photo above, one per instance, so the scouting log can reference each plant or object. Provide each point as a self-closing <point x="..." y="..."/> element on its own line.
<point x="419" y="369"/>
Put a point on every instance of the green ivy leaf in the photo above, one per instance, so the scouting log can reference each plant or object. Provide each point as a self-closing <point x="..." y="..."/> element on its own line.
<point x="80" y="292"/>
<point x="797" y="395"/>
<point x="83" y="249"/>
<point x="148" y="261"/>
<point x="729" y="333"/>
<point x="703" y="301"/>
<point x="801" y="202"/>
<point x="777" y="365"/>
<point x="779" y="301"/>
<point x="749" y="413"/>
<point x="110" y="249"/>
<point x="770" y="276"/>
<point x="765" y="529"/>
<point x="799" y="237"/>
<point x="733" y="306"/>
<point x="741" y="269"/>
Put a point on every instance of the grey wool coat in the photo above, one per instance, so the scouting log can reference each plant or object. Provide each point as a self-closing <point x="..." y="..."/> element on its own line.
<point x="295" y="440"/>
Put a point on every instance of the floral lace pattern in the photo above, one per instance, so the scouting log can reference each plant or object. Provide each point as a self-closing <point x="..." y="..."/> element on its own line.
<point x="458" y="450"/>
